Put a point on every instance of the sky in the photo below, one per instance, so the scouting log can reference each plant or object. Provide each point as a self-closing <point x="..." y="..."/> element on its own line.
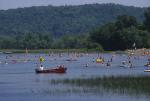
<point x="11" y="4"/>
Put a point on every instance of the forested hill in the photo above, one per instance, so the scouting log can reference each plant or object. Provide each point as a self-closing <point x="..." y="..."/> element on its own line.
<point x="63" y="19"/>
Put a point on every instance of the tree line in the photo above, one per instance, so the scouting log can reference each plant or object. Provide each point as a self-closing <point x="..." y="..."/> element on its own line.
<point x="42" y="41"/>
<point x="117" y="35"/>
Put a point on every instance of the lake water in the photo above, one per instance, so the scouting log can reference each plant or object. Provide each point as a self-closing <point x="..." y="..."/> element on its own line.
<point x="19" y="82"/>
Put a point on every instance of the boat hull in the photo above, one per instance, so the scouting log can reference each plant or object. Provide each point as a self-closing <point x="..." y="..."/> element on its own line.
<point x="57" y="70"/>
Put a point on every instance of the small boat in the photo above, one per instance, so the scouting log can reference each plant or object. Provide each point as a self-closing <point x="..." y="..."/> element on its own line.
<point x="71" y="59"/>
<point x="55" y="70"/>
<point x="126" y="66"/>
<point x="147" y="70"/>
<point x="7" y="52"/>
<point x="99" y="60"/>
<point x="147" y="65"/>
<point x="86" y="65"/>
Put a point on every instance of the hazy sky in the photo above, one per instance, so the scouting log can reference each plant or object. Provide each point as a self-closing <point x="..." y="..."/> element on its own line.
<point x="7" y="4"/>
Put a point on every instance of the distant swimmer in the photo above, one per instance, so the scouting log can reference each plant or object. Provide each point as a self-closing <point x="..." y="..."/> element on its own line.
<point x="111" y="59"/>
<point x="131" y="66"/>
<point x="108" y="63"/>
<point x="86" y="65"/>
<point x="149" y="59"/>
<point x="93" y="60"/>
<point x="6" y="62"/>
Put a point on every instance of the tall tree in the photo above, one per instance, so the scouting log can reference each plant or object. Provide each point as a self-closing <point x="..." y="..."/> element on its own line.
<point x="121" y="34"/>
<point x="125" y="21"/>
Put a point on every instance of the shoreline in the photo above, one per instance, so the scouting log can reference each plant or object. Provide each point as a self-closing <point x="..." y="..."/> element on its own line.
<point x="10" y="51"/>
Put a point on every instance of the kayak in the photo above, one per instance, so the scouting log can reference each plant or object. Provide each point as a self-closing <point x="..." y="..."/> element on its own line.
<point x="147" y="70"/>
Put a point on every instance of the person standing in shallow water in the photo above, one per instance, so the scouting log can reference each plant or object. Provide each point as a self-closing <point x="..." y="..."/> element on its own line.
<point x="93" y="60"/>
<point x="108" y="63"/>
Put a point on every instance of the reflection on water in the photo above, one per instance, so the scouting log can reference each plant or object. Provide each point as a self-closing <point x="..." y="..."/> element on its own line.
<point x="19" y="81"/>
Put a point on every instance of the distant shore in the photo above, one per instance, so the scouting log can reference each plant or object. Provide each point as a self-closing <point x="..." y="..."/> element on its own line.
<point x="9" y="51"/>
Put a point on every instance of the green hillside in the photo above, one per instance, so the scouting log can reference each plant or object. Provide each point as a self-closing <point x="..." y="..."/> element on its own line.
<point x="63" y="19"/>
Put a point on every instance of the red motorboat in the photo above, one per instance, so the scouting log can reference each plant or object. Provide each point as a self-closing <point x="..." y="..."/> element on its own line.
<point x="59" y="69"/>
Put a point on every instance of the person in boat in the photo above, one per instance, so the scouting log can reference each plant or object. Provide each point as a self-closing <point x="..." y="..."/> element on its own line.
<point x="123" y="62"/>
<point x="148" y="64"/>
<point x="61" y="67"/>
<point x="100" y="60"/>
<point x="41" y="67"/>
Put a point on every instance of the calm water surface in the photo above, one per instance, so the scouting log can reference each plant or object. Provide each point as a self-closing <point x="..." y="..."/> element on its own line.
<point x="19" y="82"/>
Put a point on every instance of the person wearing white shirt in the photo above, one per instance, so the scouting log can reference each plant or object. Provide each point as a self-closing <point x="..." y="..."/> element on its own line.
<point x="41" y="67"/>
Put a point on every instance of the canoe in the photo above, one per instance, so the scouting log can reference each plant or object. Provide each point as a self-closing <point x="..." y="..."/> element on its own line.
<point x="55" y="70"/>
<point x="147" y="70"/>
